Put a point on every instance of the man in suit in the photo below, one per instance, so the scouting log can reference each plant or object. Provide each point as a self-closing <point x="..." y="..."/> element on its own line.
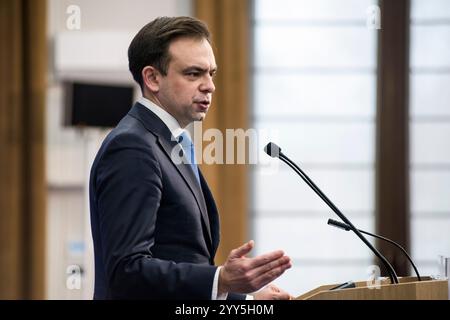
<point x="154" y="222"/>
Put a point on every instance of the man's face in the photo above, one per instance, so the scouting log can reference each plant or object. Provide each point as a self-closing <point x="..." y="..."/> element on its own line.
<point x="186" y="91"/>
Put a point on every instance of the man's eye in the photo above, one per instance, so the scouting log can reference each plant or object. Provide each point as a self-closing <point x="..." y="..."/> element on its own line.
<point x="193" y="74"/>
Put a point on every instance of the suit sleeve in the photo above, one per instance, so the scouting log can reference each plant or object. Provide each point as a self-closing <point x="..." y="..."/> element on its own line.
<point x="236" y="296"/>
<point x="128" y="192"/>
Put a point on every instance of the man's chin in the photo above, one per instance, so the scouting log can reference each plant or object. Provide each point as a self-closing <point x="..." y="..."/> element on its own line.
<point x="201" y="116"/>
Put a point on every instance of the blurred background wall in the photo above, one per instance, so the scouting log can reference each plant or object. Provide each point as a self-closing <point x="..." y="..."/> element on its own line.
<point x="359" y="100"/>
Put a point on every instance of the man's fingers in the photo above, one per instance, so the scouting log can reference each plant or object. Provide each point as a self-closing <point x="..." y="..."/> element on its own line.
<point x="270" y="275"/>
<point x="242" y="250"/>
<point x="266" y="258"/>
<point x="274" y="288"/>
<point x="281" y="296"/>
<point x="280" y="262"/>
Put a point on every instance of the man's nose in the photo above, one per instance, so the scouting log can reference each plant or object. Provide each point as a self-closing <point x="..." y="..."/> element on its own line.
<point x="208" y="85"/>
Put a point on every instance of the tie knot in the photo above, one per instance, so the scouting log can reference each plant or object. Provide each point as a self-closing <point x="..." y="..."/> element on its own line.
<point x="189" y="152"/>
<point x="183" y="139"/>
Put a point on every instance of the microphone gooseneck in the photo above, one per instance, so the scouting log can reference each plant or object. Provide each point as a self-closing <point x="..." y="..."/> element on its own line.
<point x="275" y="151"/>
<point x="346" y="227"/>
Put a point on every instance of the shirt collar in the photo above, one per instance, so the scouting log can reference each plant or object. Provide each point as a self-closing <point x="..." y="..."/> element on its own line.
<point x="165" y="117"/>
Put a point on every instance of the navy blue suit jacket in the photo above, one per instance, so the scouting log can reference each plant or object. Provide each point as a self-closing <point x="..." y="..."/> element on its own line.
<point x="155" y="229"/>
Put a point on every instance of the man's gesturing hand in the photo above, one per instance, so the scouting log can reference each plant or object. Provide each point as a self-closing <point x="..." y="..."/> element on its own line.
<point x="272" y="292"/>
<point x="240" y="274"/>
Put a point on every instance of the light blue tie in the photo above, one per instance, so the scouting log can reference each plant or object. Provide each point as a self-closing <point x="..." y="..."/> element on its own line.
<point x="189" y="150"/>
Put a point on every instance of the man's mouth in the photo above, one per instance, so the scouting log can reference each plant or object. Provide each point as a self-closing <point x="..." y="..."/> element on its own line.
<point x="203" y="104"/>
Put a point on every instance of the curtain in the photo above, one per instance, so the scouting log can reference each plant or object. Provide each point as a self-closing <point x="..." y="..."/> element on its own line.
<point x="23" y="58"/>
<point x="228" y="21"/>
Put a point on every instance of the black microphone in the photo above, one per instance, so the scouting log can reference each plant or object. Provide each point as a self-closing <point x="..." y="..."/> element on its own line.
<point x="346" y="227"/>
<point x="275" y="152"/>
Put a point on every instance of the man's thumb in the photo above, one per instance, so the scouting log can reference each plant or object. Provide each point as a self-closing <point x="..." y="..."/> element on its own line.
<point x="243" y="250"/>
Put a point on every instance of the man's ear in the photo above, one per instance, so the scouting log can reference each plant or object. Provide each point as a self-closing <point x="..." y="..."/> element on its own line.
<point x="151" y="78"/>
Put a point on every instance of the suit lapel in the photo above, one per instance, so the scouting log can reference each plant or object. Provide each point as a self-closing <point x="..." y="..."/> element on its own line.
<point x="188" y="175"/>
<point x="165" y="139"/>
<point x="212" y="213"/>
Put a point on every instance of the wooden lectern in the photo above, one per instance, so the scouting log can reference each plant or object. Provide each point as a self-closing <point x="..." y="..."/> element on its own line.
<point x="408" y="288"/>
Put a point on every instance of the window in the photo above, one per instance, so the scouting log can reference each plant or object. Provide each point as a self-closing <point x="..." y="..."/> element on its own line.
<point x="314" y="81"/>
<point x="430" y="132"/>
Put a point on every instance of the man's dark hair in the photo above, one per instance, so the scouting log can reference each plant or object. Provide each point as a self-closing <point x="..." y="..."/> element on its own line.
<point x="150" y="46"/>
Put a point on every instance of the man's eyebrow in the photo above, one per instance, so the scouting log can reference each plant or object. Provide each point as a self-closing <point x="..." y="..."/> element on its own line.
<point x="199" y="69"/>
